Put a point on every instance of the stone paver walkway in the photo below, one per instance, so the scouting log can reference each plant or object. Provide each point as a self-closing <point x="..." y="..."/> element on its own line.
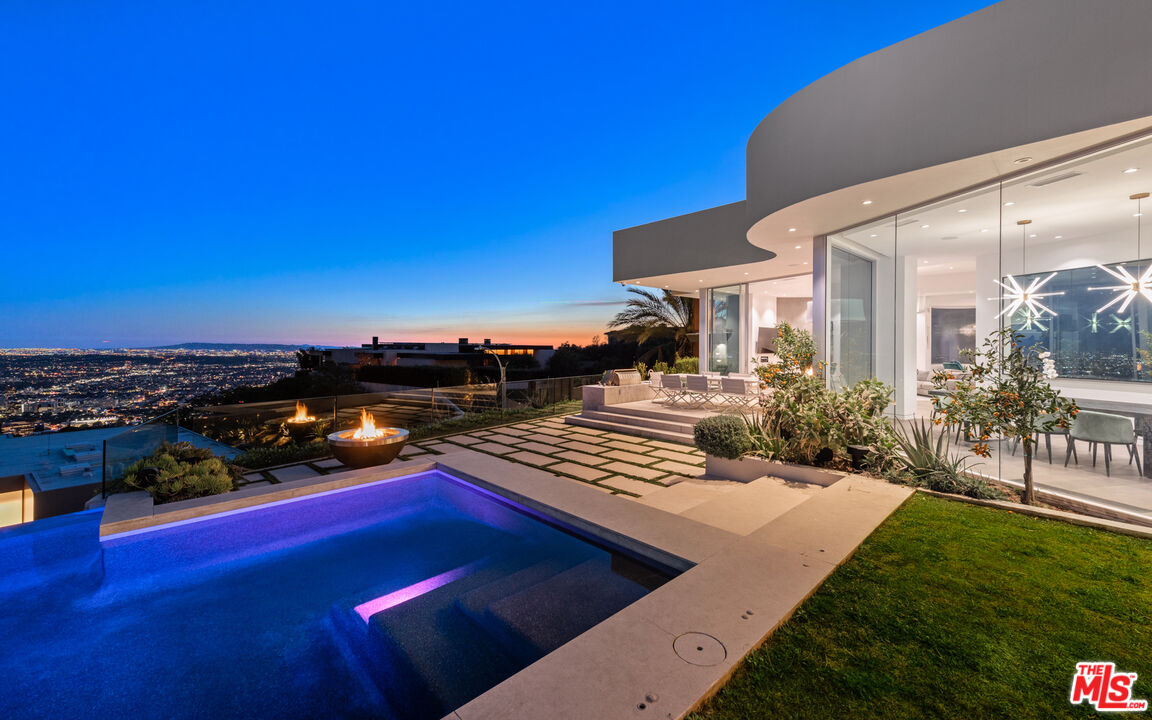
<point x="616" y="463"/>
<point x="612" y="462"/>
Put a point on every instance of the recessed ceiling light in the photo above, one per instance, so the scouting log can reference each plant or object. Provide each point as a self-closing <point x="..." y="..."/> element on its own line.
<point x="983" y="229"/>
<point x="1010" y="203"/>
<point x="872" y="235"/>
<point x="1022" y="160"/>
<point x="951" y="268"/>
<point x="962" y="210"/>
<point x="924" y="227"/>
<point x="1131" y="170"/>
<point x="1032" y="235"/>
<point x="665" y="287"/>
<point x="1058" y="237"/>
<point x="791" y="229"/>
<point x="699" y="281"/>
<point x="1137" y="214"/>
<point x="799" y="246"/>
<point x="805" y="262"/>
<point x="925" y="262"/>
<point x="866" y="202"/>
<point x="745" y="273"/>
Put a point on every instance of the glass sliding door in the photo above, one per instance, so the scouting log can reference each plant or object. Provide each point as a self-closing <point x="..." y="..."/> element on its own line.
<point x="724" y="329"/>
<point x="850" y="318"/>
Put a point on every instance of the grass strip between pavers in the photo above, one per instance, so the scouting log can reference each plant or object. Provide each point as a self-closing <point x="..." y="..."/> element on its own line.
<point x="954" y="611"/>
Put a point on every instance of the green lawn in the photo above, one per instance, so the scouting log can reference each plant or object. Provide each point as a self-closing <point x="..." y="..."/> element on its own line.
<point x="956" y="611"/>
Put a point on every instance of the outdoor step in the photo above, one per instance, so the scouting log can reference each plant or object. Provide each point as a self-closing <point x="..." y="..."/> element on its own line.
<point x="620" y="427"/>
<point x="647" y="410"/>
<point x="683" y="496"/>
<point x="638" y="421"/>
<point x="548" y="614"/>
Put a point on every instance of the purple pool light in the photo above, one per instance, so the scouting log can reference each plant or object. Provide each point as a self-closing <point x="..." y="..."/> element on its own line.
<point x="392" y="599"/>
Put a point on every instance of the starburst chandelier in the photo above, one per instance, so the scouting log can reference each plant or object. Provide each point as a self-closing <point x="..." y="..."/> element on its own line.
<point x="1131" y="286"/>
<point x="1018" y="296"/>
<point x="1027" y="298"/>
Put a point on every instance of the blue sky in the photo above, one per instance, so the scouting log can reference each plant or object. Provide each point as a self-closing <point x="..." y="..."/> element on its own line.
<point x="325" y="172"/>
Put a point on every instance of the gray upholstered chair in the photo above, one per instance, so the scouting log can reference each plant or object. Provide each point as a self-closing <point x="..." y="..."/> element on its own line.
<point x="1071" y="446"/>
<point x="1097" y="427"/>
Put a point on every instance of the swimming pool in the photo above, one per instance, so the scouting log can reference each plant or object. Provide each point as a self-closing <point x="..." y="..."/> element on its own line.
<point x="403" y="598"/>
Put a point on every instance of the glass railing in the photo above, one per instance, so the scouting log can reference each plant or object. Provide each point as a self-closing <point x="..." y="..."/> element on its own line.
<point x="305" y="420"/>
<point x="139" y="441"/>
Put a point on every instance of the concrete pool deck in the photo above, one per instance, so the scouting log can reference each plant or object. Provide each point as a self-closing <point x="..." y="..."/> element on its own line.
<point x="666" y="653"/>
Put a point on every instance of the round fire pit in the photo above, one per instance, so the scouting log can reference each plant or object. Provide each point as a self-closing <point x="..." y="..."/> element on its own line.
<point x="368" y="451"/>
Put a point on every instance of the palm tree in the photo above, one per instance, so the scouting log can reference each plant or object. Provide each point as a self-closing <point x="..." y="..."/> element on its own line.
<point x="651" y="315"/>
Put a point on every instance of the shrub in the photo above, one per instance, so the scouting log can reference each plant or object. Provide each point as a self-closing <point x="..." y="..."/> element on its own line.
<point x="723" y="436"/>
<point x="641" y="368"/>
<point x="263" y="457"/>
<point x="925" y="461"/>
<point x="803" y="421"/>
<point x="180" y="472"/>
<point x="686" y="365"/>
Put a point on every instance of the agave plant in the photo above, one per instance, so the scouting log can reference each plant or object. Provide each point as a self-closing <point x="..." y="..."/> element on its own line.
<point x="925" y="458"/>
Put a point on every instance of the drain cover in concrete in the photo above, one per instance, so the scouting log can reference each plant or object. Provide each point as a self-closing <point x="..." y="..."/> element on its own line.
<point x="699" y="649"/>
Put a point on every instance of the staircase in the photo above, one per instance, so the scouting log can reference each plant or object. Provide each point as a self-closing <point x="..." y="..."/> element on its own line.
<point x="437" y="651"/>
<point x="644" y="419"/>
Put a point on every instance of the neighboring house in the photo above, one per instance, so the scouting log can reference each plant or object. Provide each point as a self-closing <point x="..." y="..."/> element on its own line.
<point x="987" y="171"/>
<point x="443" y="354"/>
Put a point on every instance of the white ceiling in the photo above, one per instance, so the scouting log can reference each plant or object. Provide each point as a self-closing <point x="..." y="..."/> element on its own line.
<point x="1075" y="208"/>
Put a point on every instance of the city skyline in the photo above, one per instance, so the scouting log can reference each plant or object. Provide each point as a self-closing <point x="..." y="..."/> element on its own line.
<point x="232" y="174"/>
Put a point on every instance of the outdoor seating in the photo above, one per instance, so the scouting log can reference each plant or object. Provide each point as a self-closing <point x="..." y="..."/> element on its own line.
<point x="1048" y="439"/>
<point x="1097" y="427"/>
<point x="672" y="388"/>
<point x="739" y="391"/>
<point x="699" y="390"/>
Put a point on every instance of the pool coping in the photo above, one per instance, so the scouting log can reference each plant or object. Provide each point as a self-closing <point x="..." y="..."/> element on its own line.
<point x="643" y="661"/>
<point x="668" y="540"/>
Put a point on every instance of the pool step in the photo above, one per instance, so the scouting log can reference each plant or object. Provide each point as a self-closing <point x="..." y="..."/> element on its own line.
<point x="438" y="654"/>
<point x="540" y="618"/>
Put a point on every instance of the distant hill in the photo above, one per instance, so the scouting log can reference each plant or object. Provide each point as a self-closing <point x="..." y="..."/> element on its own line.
<point x="245" y="347"/>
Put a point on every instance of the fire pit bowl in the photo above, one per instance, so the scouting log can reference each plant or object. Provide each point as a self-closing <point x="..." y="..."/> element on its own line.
<point x="367" y="445"/>
<point x="301" y="425"/>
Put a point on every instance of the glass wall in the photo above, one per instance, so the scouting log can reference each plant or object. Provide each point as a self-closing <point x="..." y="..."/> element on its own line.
<point x="1060" y="254"/>
<point x="851" y="318"/>
<point x="724" y="329"/>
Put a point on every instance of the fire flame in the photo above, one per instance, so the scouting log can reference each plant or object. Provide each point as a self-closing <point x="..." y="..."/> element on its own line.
<point x="301" y="415"/>
<point x="367" y="429"/>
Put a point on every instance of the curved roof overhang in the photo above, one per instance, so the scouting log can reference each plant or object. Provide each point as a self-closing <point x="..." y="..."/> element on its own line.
<point x="949" y="109"/>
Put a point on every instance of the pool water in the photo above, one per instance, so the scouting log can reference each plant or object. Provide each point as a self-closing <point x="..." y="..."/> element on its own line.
<point x="404" y="598"/>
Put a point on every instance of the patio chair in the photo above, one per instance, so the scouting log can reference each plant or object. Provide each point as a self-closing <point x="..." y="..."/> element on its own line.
<point x="1097" y="427"/>
<point x="699" y="390"/>
<point x="656" y="380"/>
<point x="672" y="387"/>
<point x="739" y="392"/>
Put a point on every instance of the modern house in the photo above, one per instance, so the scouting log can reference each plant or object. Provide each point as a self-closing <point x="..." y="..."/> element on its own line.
<point x="461" y="353"/>
<point x="992" y="170"/>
